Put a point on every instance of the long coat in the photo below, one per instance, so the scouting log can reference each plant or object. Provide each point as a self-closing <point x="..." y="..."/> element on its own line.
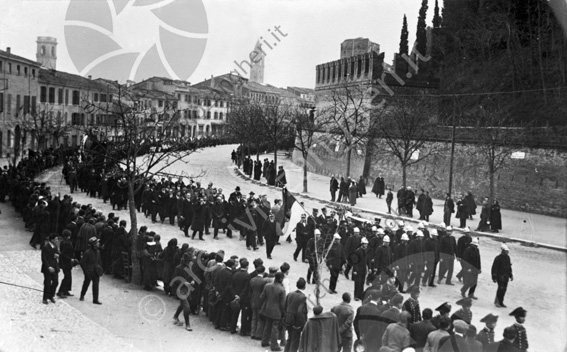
<point x="361" y="186"/>
<point x="295" y="310"/>
<point x="198" y="223"/>
<point x="378" y="187"/>
<point x="273" y="301"/>
<point x="321" y="333"/>
<point x="495" y="218"/>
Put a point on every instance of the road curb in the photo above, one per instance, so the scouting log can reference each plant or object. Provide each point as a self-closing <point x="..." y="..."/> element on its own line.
<point x="499" y="238"/>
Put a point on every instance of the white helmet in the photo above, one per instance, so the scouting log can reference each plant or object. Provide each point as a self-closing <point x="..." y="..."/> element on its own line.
<point x="381" y="231"/>
<point x="363" y="240"/>
<point x="317" y="231"/>
<point x="409" y="228"/>
<point x="337" y="236"/>
<point x="433" y="232"/>
<point x="386" y="239"/>
<point x="356" y="230"/>
<point x="374" y="228"/>
<point x="405" y="237"/>
<point x="419" y="234"/>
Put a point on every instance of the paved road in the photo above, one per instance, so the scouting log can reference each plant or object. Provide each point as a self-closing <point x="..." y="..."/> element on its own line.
<point x="136" y="319"/>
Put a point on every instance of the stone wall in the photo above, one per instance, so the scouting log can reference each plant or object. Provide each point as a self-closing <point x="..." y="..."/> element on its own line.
<point x="536" y="184"/>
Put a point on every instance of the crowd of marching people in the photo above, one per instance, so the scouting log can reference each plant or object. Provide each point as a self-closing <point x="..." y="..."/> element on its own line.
<point x="384" y="261"/>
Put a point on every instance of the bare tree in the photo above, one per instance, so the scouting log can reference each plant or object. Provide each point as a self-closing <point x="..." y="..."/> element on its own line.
<point x="276" y="125"/>
<point x="45" y="124"/>
<point x="244" y="123"/>
<point x="307" y="121"/>
<point x="143" y="148"/>
<point x="352" y="111"/>
<point x="405" y="129"/>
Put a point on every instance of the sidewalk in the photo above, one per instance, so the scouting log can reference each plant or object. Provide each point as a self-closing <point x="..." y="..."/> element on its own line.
<point x="532" y="229"/>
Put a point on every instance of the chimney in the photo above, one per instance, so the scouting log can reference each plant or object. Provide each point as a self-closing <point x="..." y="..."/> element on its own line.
<point x="8" y="50"/>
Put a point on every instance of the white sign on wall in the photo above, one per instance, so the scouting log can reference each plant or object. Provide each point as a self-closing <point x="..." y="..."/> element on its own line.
<point x="518" y="155"/>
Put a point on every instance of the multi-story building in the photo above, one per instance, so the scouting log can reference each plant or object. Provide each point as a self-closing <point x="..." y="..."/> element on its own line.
<point x="18" y="99"/>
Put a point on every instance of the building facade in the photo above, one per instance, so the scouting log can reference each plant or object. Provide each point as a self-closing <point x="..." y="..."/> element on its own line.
<point x="18" y="100"/>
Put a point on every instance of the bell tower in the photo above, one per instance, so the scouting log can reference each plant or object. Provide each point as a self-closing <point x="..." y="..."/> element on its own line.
<point x="257" y="70"/>
<point x="47" y="52"/>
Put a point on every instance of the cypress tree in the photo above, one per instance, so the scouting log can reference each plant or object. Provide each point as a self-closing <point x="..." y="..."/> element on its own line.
<point x="404" y="37"/>
<point x="436" y="18"/>
<point x="421" y="35"/>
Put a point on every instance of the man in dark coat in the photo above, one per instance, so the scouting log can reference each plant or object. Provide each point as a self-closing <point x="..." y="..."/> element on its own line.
<point x="345" y="315"/>
<point x="462" y="214"/>
<point x="431" y="258"/>
<point x="359" y="262"/>
<point x="295" y="315"/>
<point x="447" y="247"/>
<point x="368" y="320"/>
<point x="50" y="268"/>
<point x="335" y="261"/>
<point x="270" y="234"/>
<point x="378" y="187"/>
<point x="448" y="209"/>
<point x="182" y="287"/>
<point x="411" y="305"/>
<point x="273" y="308"/>
<point x="462" y="243"/>
<point x="223" y="282"/>
<point x="240" y="290"/>
<point x="471" y="268"/>
<point x="389" y="199"/>
<point x="420" y="203"/>
<point x="301" y="237"/>
<point x="501" y="274"/>
<point x="257" y="284"/>
<point x="420" y="330"/>
<point x="66" y="263"/>
<point x="409" y="201"/>
<point x="321" y="333"/>
<point x="507" y="344"/>
<point x="521" y="340"/>
<point x="333" y="187"/>
<point x="486" y="335"/>
<point x="92" y="269"/>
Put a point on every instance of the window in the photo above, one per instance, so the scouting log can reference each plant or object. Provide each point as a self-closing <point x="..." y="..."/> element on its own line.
<point x="222" y="104"/>
<point x="178" y="96"/>
<point x="208" y="115"/>
<point x="216" y="103"/>
<point x="160" y="103"/>
<point x="198" y="101"/>
<point x="0" y="66"/>
<point x="33" y="105"/>
<point x="110" y="98"/>
<point x="95" y="97"/>
<point x="43" y="50"/>
<point x="10" y="139"/>
<point x="103" y="98"/>
<point x="60" y="96"/>
<point x="52" y="51"/>
<point x="51" y="95"/>
<point x="18" y="101"/>
<point x="76" y="97"/>
<point x="195" y="114"/>
<point x="66" y="96"/>
<point x="216" y="115"/>
<point x="18" y="70"/>
<point x="43" y="95"/>
<point x="9" y="103"/>
<point x="187" y="98"/>
<point x="25" y="71"/>
<point x="1" y="102"/>
<point x="26" y="104"/>
<point x="9" y="67"/>
<point x="220" y="115"/>
<point x="33" y="72"/>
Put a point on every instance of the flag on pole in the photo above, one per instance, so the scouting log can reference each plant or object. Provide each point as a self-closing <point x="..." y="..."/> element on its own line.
<point x="289" y="214"/>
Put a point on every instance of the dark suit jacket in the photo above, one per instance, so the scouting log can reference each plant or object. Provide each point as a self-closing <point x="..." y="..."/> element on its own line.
<point x="257" y="284"/>
<point x="295" y="309"/>
<point x="48" y="258"/>
<point x="90" y="261"/>
<point x="419" y="332"/>
<point x="345" y="314"/>
<point x="302" y="232"/>
<point x="239" y="286"/>
<point x="367" y="323"/>
<point x="223" y="284"/>
<point x="273" y="301"/>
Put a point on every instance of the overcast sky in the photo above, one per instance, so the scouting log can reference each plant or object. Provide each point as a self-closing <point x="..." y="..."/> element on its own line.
<point x="314" y="30"/>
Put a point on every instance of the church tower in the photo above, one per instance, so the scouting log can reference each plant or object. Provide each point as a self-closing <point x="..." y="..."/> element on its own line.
<point x="257" y="61"/>
<point x="47" y="52"/>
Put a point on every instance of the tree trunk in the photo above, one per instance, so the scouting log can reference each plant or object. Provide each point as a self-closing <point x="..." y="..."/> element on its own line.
<point x="491" y="174"/>
<point x="404" y="174"/>
<point x="276" y="160"/>
<point x="368" y="158"/>
<point x="305" y="172"/>
<point x="136" y="270"/>
<point x="349" y="154"/>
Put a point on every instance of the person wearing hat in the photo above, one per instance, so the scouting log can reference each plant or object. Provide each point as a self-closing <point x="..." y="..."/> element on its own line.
<point x="521" y="340"/>
<point x="358" y="260"/>
<point x="270" y="233"/>
<point x="465" y="312"/>
<point x="368" y="321"/>
<point x="448" y="209"/>
<point x="447" y="249"/>
<point x="501" y="274"/>
<point x="301" y="237"/>
<point x="431" y="259"/>
<point x="335" y="261"/>
<point x="507" y="344"/>
<point x="181" y="288"/>
<point x="383" y="259"/>
<point x="321" y="332"/>
<point x="402" y="261"/>
<point x="455" y="341"/>
<point x="66" y="262"/>
<point x="462" y="244"/>
<point x="486" y="335"/>
<point x="311" y="255"/>
<point x="273" y="308"/>
<point x="92" y="269"/>
<point x="352" y="243"/>
<point x="417" y="254"/>
<point x="411" y="305"/>
<point x="333" y="187"/>
<point x="444" y="310"/>
<point x="471" y="268"/>
<point x="50" y="268"/>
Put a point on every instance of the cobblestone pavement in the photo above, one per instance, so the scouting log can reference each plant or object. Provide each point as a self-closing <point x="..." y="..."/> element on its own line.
<point x="134" y="317"/>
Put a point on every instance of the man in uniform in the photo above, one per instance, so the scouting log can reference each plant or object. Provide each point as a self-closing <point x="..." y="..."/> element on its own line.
<point x="411" y="305"/>
<point x="301" y="237"/>
<point x="447" y="246"/>
<point x="486" y="335"/>
<point x="521" y="340"/>
<point x="471" y="268"/>
<point x="50" y="268"/>
<point x="464" y="313"/>
<point x="501" y="274"/>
